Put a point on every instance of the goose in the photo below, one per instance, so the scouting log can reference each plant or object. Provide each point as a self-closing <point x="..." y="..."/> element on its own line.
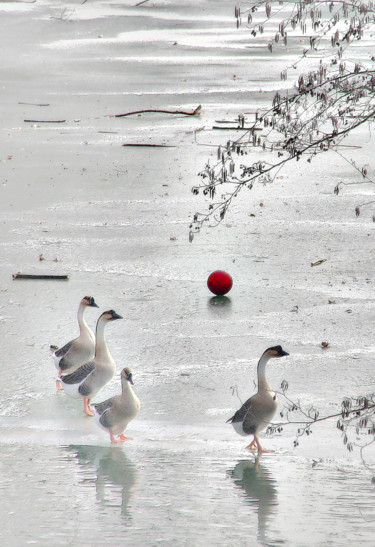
<point x="114" y="414"/>
<point x="80" y="350"/>
<point x="89" y="378"/>
<point x="257" y="412"/>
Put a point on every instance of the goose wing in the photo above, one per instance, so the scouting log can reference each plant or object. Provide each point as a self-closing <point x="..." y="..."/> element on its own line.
<point x="247" y="415"/>
<point x="242" y="413"/>
<point x="64" y="350"/>
<point x="102" y="407"/>
<point x="255" y="414"/>
<point x="80" y="375"/>
<point x="107" y="413"/>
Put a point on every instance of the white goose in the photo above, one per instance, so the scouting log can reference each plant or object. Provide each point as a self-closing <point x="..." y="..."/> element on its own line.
<point x="114" y="414"/>
<point x="257" y="412"/>
<point x="88" y="379"/>
<point x="80" y="350"/>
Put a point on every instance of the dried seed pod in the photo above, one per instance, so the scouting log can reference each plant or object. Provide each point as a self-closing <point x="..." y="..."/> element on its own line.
<point x="284" y="385"/>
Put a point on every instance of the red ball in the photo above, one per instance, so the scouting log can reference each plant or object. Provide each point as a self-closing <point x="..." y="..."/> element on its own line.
<point x="219" y="282"/>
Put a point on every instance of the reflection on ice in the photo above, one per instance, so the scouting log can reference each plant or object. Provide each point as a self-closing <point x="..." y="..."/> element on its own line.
<point x="112" y="469"/>
<point x="220" y="302"/>
<point x="260" y="490"/>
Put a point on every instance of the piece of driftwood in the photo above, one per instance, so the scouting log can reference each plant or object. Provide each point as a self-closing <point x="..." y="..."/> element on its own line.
<point x="44" y="121"/>
<point x="39" y="276"/>
<point x="35" y="104"/>
<point x="226" y="128"/>
<point x="183" y="112"/>
<point x="319" y="261"/>
<point x="226" y="121"/>
<point x="149" y="145"/>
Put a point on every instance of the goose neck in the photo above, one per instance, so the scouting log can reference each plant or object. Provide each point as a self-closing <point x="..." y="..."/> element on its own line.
<point x="126" y="388"/>
<point x="83" y="326"/>
<point x="263" y="384"/>
<point x="101" y="348"/>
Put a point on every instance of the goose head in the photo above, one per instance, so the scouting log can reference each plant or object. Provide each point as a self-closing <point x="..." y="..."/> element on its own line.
<point x="110" y="315"/>
<point x="89" y="301"/>
<point x="126" y="374"/>
<point x="275" y="352"/>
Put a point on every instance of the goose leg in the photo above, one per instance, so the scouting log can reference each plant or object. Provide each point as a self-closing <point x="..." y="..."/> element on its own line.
<point x="58" y="383"/>
<point x="252" y="445"/>
<point x="125" y="438"/>
<point x="86" y="407"/>
<point x="260" y="449"/>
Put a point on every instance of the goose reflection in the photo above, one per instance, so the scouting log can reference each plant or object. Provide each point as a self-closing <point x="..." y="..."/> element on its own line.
<point x="113" y="469"/>
<point x="260" y="490"/>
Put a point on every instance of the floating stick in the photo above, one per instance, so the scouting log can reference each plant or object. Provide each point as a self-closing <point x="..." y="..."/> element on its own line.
<point x="39" y="276"/>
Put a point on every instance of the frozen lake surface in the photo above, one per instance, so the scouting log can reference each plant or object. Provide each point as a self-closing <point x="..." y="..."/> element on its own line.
<point x="117" y="221"/>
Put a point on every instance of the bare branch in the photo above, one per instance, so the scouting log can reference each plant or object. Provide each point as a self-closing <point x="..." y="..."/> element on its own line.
<point x="324" y="106"/>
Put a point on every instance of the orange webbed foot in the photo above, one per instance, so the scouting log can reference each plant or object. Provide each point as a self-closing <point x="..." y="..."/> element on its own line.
<point x="120" y="440"/>
<point x="86" y="407"/>
<point x="125" y="438"/>
<point x="260" y="449"/>
<point x="251" y="446"/>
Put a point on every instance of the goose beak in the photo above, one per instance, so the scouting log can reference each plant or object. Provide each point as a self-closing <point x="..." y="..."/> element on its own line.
<point x="130" y="379"/>
<point x="116" y="316"/>
<point x="283" y="353"/>
<point x="92" y="302"/>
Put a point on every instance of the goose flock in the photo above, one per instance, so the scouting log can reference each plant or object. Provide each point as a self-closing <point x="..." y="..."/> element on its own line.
<point x="85" y="366"/>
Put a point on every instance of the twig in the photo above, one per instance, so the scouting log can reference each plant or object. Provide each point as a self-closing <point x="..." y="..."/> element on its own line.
<point x="252" y="129"/>
<point x="150" y="145"/>
<point x="35" y="104"/>
<point x="39" y="276"/>
<point x="184" y="112"/>
<point x="140" y="3"/>
<point x="226" y="121"/>
<point x="311" y="421"/>
<point x="44" y="121"/>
